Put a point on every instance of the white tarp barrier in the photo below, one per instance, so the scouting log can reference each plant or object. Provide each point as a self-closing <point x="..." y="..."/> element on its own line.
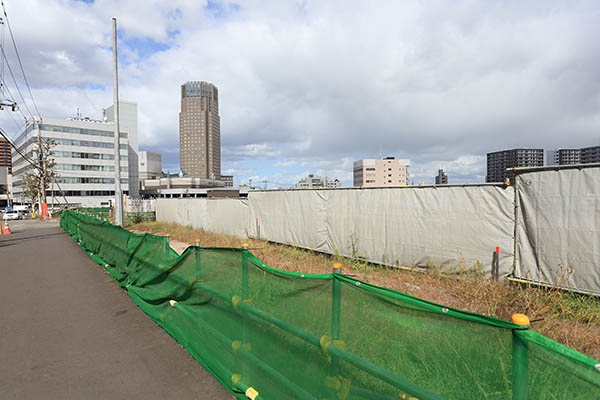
<point x="453" y="227"/>
<point x="224" y="216"/>
<point x="456" y="226"/>
<point x="296" y="218"/>
<point x="558" y="235"/>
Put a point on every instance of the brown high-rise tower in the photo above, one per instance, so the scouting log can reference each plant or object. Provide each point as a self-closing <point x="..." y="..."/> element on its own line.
<point x="200" y="130"/>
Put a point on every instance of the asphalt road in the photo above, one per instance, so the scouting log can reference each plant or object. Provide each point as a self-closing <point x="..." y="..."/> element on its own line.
<point x="67" y="331"/>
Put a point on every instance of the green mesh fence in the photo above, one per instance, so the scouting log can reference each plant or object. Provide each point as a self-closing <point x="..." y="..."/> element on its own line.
<point x="287" y="335"/>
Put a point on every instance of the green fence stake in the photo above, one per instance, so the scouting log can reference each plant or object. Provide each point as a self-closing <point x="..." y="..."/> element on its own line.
<point x="197" y="244"/>
<point x="244" y="271"/>
<point x="519" y="360"/>
<point x="335" y="313"/>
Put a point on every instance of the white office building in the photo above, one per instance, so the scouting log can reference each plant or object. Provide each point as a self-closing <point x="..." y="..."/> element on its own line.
<point x="150" y="167"/>
<point x="84" y="155"/>
<point x="128" y="122"/>
<point x="316" y="182"/>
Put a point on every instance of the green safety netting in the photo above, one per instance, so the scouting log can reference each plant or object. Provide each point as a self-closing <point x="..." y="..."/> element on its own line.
<point x="288" y="335"/>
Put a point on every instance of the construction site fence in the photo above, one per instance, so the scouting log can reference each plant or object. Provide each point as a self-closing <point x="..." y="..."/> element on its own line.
<point x="271" y="334"/>
<point x="546" y="231"/>
<point x="107" y="213"/>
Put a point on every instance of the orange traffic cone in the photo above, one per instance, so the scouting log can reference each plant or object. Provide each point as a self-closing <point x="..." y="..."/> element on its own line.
<point x="6" y="230"/>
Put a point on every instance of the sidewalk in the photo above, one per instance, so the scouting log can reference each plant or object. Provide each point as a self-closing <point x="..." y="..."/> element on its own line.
<point x="67" y="331"/>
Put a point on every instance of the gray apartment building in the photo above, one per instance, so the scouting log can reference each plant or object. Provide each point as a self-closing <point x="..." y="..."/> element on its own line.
<point x="5" y="155"/>
<point x="585" y="155"/>
<point x="498" y="162"/>
<point x="200" y="130"/>
<point x="441" y="178"/>
<point x="590" y="155"/>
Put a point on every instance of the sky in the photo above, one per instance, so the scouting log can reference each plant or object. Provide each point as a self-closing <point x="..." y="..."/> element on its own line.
<point x="310" y="86"/>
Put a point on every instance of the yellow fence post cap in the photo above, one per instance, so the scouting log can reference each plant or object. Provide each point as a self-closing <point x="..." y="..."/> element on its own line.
<point x="520" y="319"/>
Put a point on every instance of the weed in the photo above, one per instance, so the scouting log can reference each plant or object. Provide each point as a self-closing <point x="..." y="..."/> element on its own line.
<point x="569" y="318"/>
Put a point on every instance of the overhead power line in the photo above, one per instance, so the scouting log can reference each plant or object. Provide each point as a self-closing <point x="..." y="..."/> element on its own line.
<point x="15" y="82"/>
<point x="19" y="59"/>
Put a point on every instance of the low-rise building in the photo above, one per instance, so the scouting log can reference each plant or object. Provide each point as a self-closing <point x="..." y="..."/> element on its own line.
<point x="228" y="180"/>
<point x="150" y="167"/>
<point x="384" y="172"/>
<point x="318" y="182"/>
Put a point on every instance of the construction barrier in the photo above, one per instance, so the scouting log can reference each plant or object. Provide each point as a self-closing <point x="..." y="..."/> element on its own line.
<point x="271" y="334"/>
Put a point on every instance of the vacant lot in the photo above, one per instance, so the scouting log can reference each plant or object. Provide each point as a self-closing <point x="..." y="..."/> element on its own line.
<point x="568" y="318"/>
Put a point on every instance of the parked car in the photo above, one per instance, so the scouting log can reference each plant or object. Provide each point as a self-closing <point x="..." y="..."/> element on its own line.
<point x="11" y="215"/>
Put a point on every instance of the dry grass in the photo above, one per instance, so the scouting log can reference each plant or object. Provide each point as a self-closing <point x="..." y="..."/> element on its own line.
<point x="568" y="318"/>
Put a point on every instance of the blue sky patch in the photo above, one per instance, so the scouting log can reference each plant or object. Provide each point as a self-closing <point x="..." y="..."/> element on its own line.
<point x="144" y="47"/>
<point x="218" y="10"/>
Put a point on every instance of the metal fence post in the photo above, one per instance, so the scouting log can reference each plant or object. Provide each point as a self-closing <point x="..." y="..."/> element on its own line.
<point x="519" y="360"/>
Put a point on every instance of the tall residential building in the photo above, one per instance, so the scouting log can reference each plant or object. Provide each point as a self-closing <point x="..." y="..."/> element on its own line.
<point x="5" y="154"/>
<point x="499" y="161"/>
<point x="84" y="155"/>
<point x="128" y="122"/>
<point x="563" y="157"/>
<point x="441" y="178"/>
<point x="200" y="130"/>
<point x="381" y="172"/>
<point x="315" y="182"/>
<point x="590" y="155"/>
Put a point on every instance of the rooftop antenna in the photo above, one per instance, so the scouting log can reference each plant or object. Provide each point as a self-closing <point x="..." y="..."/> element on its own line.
<point x="381" y="151"/>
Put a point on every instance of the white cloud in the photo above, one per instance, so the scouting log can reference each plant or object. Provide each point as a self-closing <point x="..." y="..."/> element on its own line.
<point x="320" y="84"/>
<point x="286" y="163"/>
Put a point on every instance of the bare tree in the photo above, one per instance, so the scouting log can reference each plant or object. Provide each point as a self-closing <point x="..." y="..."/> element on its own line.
<point x="39" y="176"/>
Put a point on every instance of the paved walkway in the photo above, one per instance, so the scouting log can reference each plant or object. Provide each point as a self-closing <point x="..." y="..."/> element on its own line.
<point x="67" y="331"/>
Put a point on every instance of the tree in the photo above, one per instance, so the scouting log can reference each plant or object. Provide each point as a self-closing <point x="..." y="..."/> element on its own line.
<point x="38" y="176"/>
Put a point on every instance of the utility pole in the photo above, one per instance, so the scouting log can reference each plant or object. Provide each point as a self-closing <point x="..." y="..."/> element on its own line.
<point x="118" y="192"/>
<point x="42" y="199"/>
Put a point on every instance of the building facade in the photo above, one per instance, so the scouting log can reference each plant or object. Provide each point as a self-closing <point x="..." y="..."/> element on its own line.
<point x="441" y="178"/>
<point x="227" y="180"/>
<point x="150" y="167"/>
<point x="84" y="156"/>
<point x="498" y="162"/>
<point x="563" y="157"/>
<point x="128" y="122"/>
<point x="316" y="182"/>
<point x="590" y="155"/>
<point x="200" y="130"/>
<point x="384" y="172"/>
<point x="5" y="155"/>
